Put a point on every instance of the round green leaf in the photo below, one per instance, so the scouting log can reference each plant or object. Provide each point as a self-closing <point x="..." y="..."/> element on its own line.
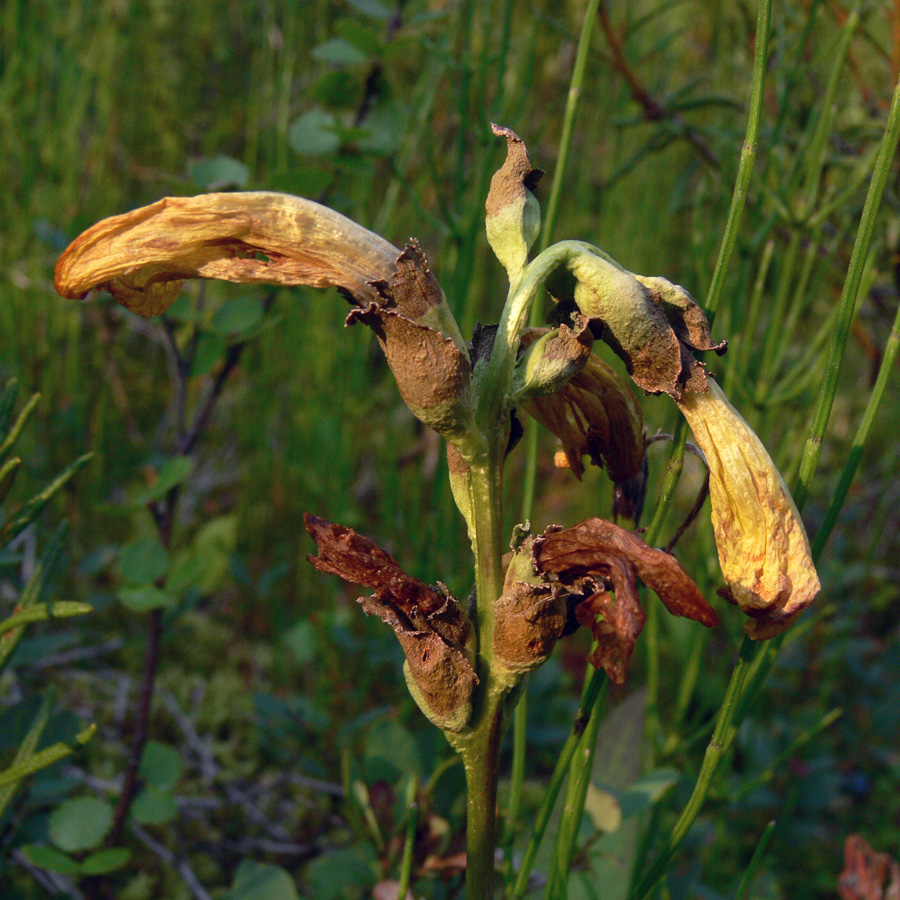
<point x="161" y="765"/>
<point x="214" y="173"/>
<point x="313" y="134"/>
<point x="143" y="561"/>
<point x="339" y="52"/>
<point x="259" y="881"/>
<point x="154" y="807"/>
<point x="173" y="472"/>
<point x="239" y="314"/>
<point x="51" y="859"/>
<point x="80" y="823"/>
<point x="210" y="350"/>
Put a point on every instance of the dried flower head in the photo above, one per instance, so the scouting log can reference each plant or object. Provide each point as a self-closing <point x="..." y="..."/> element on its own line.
<point x="595" y="415"/>
<point x="600" y="564"/>
<point x="763" y="548"/>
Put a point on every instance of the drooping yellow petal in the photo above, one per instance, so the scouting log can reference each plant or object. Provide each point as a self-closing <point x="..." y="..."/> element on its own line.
<point x="259" y="237"/>
<point x="763" y="549"/>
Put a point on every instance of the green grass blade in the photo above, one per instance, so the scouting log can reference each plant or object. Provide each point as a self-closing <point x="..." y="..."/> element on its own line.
<point x="590" y="702"/>
<point x="29" y="512"/>
<point x="45" y="758"/>
<point x="859" y="440"/>
<point x="41" y="612"/>
<point x="748" y="157"/>
<point x="755" y="860"/>
<point x="18" y="425"/>
<point x="847" y="304"/>
<point x="27" y="747"/>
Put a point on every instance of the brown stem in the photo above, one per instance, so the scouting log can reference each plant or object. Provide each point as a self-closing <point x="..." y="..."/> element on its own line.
<point x="130" y="786"/>
<point x="653" y="110"/>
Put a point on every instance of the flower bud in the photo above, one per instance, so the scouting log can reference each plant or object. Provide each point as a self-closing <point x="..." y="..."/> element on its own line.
<point x="763" y="549"/>
<point x="513" y="212"/>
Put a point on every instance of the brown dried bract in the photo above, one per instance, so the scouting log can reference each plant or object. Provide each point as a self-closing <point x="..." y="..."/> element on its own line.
<point x="595" y="557"/>
<point x="422" y="344"/>
<point x="432" y="628"/>
<point x="142" y="257"/>
<point x="530" y="615"/>
<point x="514" y="177"/>
<point x="868" y="875"/>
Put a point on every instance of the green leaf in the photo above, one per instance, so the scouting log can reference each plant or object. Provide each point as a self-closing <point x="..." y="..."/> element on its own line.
<point x="313" y="134"/>
<point x="51" y="859"/>
<point x="7" y="402"/>
<point x="19" y="424"/>
<point x="210" y="350"/>
<point x="375" y="9"/>
<point x="239" y="314"/>
<point x="80" y="823"/>
<point x="8" y="475"/>
<point x="215" y="173"/>
<point x="173" y="473"/>
<point x="364" y="38"/>
<point x="182" y="310"/>
<point x="144" y="597"/>
<point x="161" y="765"/>
<point x="341" y="874"/>
<point x="214" y="543"/>
<point x="339" y="52"/>
<point x="105" y="861"/>
<point x="154" y="807"/>
<point x="187" y="570"/>
<point x="391" y="752"/>
<point x="29" y="512"/>
<point x="301" y="640"/>
<point x="261" y="881"/>
<point x="143" y="561"/>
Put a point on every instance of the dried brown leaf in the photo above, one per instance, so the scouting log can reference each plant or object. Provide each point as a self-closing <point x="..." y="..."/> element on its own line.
<point x="430" y="625"/>
<point x="868" y="875"/>
<point x="588" y="547"/>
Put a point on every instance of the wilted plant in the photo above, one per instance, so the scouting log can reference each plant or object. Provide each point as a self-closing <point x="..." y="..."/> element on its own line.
<point x="464" y="662"/>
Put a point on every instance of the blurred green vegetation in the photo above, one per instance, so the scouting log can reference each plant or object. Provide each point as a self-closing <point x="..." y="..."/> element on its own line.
<point x="284" y="706"/>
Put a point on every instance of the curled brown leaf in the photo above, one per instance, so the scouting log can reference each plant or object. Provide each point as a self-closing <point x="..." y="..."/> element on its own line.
<point x="596" y="557"/>
<point x="431" y="626"/>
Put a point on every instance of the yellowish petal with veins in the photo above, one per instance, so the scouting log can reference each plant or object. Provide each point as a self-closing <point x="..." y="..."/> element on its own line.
<point x="763" y="548"/>
<point x="259" y="237"/>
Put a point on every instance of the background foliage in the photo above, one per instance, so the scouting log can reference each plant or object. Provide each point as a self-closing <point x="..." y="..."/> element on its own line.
<point x="280" y="733"/>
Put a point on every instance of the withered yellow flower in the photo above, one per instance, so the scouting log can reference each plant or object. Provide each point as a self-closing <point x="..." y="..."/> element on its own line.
<point x="258" y="237"/>
<point x="594" y="415"/>
<point x="763" y="548"/>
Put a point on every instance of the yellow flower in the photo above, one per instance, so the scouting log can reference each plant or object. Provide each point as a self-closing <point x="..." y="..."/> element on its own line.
<point x="763" y="548"/>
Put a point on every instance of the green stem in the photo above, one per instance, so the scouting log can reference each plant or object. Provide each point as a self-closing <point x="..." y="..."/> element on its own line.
<point x="565" y="140"/>
<point x="862" y="435"/>
<point x="589" y="702"/>
<point x="479" y="745"/>
<point x="748" y="156"/>
<point x="813" y="448"/>
<point x="573" y="811"/>
<point x="724" y="733"/>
